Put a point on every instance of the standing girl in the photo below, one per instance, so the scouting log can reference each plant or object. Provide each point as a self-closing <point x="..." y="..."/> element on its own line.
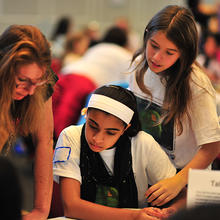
<point x="108" y="163"/>
<point x="176" y="101"/>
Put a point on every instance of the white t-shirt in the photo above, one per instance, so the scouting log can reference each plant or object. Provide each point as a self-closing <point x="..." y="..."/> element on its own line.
<point x="103" y="63"/>
<point x="149" y="162"/>
<point x="205" y="123"/>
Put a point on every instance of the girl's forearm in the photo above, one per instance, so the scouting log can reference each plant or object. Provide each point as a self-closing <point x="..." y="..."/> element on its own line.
<point x="204" y="157"/>
<point x="87" y="210"/>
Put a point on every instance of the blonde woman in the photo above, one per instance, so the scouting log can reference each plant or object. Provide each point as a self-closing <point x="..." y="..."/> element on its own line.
<point x="26" y="86"/>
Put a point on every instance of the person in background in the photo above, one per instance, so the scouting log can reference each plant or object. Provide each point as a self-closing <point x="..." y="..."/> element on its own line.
<point x="133" y="37"/>
<point x="92" y="31"/>
<point x="105" y="165"/>
<point x="214" y="23"/>
<point x="26" y="86"/>
<point x="11" y="193"/>
<point x="76" y="45"/>
<point x="106" y="62"/>
<point x="202" y="12"/>
<point x="176" y="100"/>
<point x="62" y="30"/>
<point x="208" y="57"/>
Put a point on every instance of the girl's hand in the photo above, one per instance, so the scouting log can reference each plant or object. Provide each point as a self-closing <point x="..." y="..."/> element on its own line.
<point x="167" y="212"/>
<point x="155" y="213"/>
<point x="149" y="214"/>
<point x="165" y="190"/>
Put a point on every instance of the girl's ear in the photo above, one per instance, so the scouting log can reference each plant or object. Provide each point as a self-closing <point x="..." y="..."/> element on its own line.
<point x="84" y="111"/>
<point x="127" y="127"/>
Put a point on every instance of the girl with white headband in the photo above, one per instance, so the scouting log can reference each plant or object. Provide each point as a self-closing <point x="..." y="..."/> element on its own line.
<point x="107" y="163"/>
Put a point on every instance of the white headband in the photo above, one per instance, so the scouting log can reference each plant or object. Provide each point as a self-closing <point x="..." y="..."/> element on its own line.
<point x="111" y="106"/>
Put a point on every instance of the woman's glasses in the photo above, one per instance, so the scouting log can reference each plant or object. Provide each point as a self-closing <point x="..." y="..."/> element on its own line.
<point x="25" y="82"/>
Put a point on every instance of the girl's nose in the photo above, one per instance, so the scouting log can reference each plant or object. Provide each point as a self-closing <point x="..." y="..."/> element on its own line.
<point x="98" y="138"/>
<point x="157" y="56"/>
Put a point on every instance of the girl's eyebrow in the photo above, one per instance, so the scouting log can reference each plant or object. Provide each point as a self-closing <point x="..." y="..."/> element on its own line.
<point x="167" y="48"/>
<point x="115" y="129"/>
<point x="93" y="121"/>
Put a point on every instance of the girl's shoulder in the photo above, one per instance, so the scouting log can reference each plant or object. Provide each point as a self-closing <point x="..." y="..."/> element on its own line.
<point x="144" y="140"/>
<point x="72" y="129"/>
<point x="200" y="82"/>
<point x="68" y="142"/>
<point x="71" y="133"/>
<point x="145" y="146"/>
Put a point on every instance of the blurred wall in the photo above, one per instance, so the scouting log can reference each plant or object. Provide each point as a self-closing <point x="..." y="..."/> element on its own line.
<point x="45" y="13"/>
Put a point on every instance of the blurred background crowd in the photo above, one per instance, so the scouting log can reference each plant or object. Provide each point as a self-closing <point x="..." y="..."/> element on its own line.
<point x="90" y="56"/>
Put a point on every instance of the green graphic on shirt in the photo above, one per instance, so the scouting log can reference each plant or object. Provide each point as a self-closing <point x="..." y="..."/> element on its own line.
<point x="151" y="118"/>
<point x="150" y="114"/>
<point x="106" y="195"/>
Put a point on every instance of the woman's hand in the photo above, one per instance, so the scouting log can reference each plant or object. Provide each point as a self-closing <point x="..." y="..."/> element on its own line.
<point x="165" y="190"/>
<point x="35" y="215"/>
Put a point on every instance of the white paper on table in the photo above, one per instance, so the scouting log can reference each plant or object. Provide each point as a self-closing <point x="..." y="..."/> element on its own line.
<point x="203" y="187"/>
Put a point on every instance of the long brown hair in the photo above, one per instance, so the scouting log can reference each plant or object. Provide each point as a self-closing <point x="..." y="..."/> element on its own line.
<point x="179" y="27"/>
<point x="19" y="45"/>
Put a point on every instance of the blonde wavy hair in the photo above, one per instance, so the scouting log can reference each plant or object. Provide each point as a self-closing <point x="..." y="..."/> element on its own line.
<point x="20" y="45"/>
